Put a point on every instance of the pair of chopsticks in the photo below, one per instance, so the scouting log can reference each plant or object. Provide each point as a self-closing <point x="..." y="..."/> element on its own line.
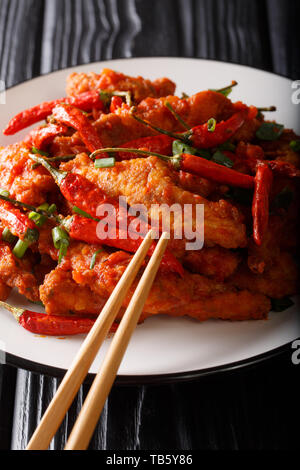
<point x="91" y="410"/>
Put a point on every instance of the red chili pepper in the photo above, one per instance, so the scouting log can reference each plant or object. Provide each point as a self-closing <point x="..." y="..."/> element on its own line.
<point x="84" y="229"/>
<point x="51" y="325"/>
<point x="158" y="144"/>
<point x="85" y="101"/>
<point x="260" y="206"/>
<point x="43" y="136"/>
<point x="116" y="103"/>
<point x="202" y="137"/>
<point x="73" y="117"/>
<point x="12" y="218"/>
<point x="198" y="166"/>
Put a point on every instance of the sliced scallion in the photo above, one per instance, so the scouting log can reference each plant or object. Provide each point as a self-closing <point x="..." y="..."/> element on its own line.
<point x="211" y="125"/>
<point x="38" y="219"/>
<point x="8" y="237"/>
<point x="20" y="248"/>
<point x="105" y="162"/>
<point x="4" y="192"/>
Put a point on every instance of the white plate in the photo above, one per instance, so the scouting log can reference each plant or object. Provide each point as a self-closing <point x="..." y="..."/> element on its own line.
<point x="162" y="346"/>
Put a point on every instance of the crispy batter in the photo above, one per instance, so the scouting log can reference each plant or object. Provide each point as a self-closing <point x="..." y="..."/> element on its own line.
<point x="169" y="294"/>
<point x="279" y="280"/>
<point x="110" y="80"/>
<point x="216" y="262"/>
<point x="151" y="181"/>
<point x="26" y="184"/>
<point x="18" y="273"/>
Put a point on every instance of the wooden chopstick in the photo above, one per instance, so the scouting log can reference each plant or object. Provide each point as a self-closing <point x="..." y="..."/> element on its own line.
<point x="78" y="370"/>
<point x="88" y="417"/>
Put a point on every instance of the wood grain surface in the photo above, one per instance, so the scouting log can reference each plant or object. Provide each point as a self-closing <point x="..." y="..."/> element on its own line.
<point x="252" y="408"/>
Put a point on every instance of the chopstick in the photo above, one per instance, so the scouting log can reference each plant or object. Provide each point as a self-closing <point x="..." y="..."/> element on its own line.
<point x="80" y="366"/>
<point x="91" y="410"/>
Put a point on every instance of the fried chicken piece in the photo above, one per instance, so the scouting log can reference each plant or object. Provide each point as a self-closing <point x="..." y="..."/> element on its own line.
<point x="233" y="306"/>
<point x="26" y="184"/>
<point x="4" y="291"/>
<point x="216" y="262"/>
<point x="280" y="149"/>
<point x="118" y="128"/>
<point x="169" y="294"/>
<point x="62" y="296"/>
<point x="18" y="273"/>
<point x="110" y="80"/>
<point x="150" y="181"/>
<point x="195" y="184"/>
<point x="279" y="280"/>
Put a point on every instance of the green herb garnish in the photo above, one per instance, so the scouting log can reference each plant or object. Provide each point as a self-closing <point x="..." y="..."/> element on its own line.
<point x="105" y="162"/>
<point x="221" y="159"/>
<point x="94" y="259"/>
<point x="211" y="125"/>
<point x="270" y="131"/>
<point x="180" y="147"/>
<point x="295" y="145"/>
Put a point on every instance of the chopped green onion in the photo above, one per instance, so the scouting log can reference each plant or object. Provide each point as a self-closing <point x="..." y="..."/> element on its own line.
<point x="20" y="248"/>
<point x="295" y="145"/>
<point x="38" y="219"/>
<point x="280" y="305"/>
<point x="8" y="237"/>
<point x="4" y="192"/>
<point x="180" y="147"/>
<point x="221" y="159"/>
<point x="105" y="97"/>
<point x="32" y="235"/>
<point x="61" y="241"/>
<point x="63" y="248"/>
<point x="105" y="162"/>
<point x="59" y="234"/>
<point x="39" y="152"/>
<point x="94" y="259"/>
<point x="79" y="211"/>
<point x="52" y="209"/>
<point x="44" y="207"/>
<point x="211" y="125"/>
<point x="270" y="131"/>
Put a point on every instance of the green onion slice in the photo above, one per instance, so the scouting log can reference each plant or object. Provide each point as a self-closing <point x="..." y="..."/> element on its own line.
<point x="4" y="192"/>
<point x="211" y="125"/>
<point x="180" y="147"/>
<point x="38" y="219"/>
<point x="105" y="162"/>
<point x="20" y="248"/>
<point x="270" y="131"/>
<point x="8" y="237"/>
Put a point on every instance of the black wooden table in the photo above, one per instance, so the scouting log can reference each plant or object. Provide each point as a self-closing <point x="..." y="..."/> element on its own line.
<point x="253" y="408"/>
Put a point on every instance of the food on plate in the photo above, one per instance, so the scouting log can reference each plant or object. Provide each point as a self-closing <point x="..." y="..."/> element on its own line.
<point x="126" y="142"/>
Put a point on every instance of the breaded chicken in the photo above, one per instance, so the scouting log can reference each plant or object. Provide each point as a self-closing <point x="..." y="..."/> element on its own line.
<point x="18" y="273"/>
<point x="25" y="183"/>
<point x="109" y="80"/>
<point x="193" y="295"/>
<point x="150" y="181"/>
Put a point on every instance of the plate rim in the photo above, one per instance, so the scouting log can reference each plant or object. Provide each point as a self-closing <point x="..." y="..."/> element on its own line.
<point x="154" y="379"/>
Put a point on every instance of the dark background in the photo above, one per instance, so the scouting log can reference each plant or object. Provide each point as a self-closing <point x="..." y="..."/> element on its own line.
<point x="253" y="408"/>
